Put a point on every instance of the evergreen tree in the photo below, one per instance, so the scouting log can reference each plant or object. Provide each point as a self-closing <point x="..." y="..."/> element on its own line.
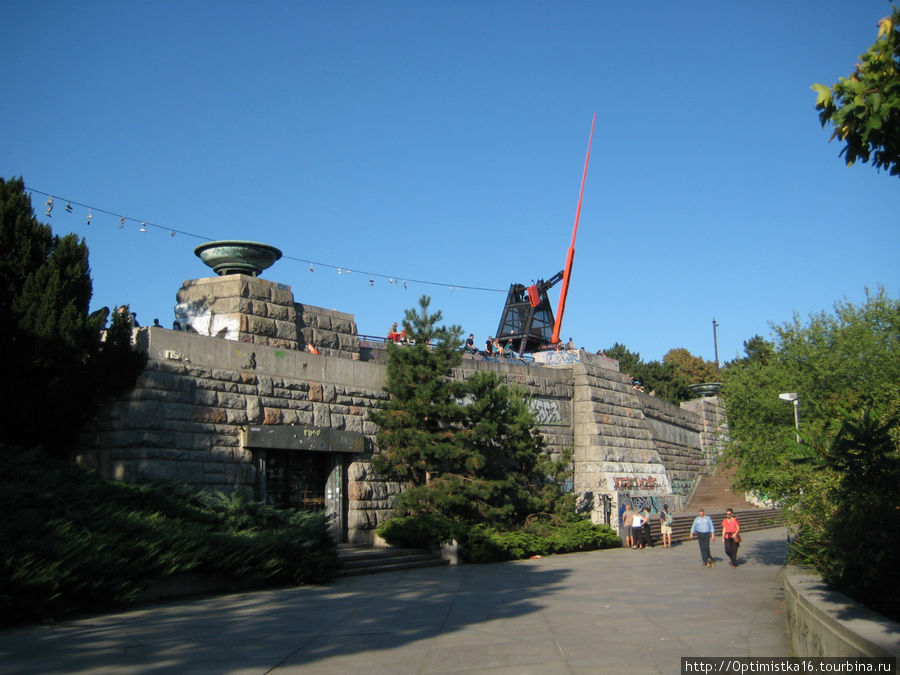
<point x="418" y="425"/>
<point x="55" y="355"/>
<point x="466" y="452"/>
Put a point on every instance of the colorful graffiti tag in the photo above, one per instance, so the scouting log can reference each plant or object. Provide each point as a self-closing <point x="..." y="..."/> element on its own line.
<point x="634" y="483"/>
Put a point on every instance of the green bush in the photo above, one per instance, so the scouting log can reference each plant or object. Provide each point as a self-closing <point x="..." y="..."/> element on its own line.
<point x="70" y="541"/>
<point x="574" y="533"/>
<point x="426" y="530"/>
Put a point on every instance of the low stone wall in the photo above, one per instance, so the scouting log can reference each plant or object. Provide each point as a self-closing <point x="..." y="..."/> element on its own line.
<point x="823" y="622"/>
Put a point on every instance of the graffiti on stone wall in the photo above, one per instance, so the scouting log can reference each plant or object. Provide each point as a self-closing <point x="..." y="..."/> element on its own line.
<point x="638" y="503"/>
<point x="557" y="358"/>
<point x="681" y="486"/>
<point x="546" y="410"/>
<point x="635" y="483"/>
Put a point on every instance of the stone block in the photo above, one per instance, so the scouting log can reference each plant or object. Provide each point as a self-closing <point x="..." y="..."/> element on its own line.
<point x="256" y="325"/>
<point x="285" y="330"/>
<point x="209" y="415"/>
<point x="282" y="313"/>
<point x="229" y="400"/>
<point x="281" y="294"/>
<point x="254" y="410"/>
<point x="316" y="391"/>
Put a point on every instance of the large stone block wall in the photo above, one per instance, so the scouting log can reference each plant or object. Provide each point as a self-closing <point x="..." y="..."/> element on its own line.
<point x="615" y="456"/>
<point x="332" y="332"/>
<point x="714" y="434"/>
<point x="240" y="308"/>
<point x="185" y="420"/>
<point x="252" y="310"/>
<point x="678" y="437"/>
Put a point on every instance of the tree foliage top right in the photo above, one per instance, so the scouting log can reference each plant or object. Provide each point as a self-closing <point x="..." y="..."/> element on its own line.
<point x="864" y="108"/>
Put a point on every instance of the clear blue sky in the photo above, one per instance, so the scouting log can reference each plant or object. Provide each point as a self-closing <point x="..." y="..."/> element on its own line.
<point x="445" y="141"/>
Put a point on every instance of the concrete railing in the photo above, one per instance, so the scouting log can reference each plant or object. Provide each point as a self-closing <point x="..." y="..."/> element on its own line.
<point x="823" y="622"/>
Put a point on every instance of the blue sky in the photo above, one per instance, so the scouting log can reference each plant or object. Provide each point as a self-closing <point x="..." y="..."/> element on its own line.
<point x="444" y="142"/>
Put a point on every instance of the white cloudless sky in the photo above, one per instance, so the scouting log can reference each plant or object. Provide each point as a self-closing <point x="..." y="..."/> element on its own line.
<point x="443" y="143"/>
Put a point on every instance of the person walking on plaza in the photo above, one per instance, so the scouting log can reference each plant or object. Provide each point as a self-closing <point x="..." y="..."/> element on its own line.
<point x="705" y="530"/>
<point x="731" y="529"/>
<point x="665" y="526"/>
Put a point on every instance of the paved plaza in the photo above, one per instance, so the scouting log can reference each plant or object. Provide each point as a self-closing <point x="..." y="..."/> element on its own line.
<point x="617" y="611"/>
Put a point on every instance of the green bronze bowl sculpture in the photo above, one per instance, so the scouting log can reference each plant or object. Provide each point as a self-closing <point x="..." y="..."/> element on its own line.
<point x="705" y="388"/>
<point x="237" y="257"/>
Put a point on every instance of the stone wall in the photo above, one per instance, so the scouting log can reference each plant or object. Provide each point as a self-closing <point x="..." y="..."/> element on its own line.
<point x="210" y="396"/>
<point x="823" y="622"/>
<point x="678" y="437"/>
<point x="332" y="332"/>
<point x="240" y="308"/>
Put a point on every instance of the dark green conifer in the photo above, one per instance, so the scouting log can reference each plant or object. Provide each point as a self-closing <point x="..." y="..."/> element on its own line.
<point x="55" y="358"/>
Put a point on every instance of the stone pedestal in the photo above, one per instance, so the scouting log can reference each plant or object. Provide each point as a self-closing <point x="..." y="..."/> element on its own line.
<point x="239" y="307"/>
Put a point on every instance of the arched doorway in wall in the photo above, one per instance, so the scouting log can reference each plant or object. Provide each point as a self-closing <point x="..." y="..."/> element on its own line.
<point x="305" y="468"/>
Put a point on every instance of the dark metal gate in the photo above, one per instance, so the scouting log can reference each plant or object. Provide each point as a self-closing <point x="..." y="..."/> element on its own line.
<point x="304" y="468"/>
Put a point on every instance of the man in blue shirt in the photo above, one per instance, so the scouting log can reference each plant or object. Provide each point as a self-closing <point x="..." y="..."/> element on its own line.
<point x="704" y="528"/>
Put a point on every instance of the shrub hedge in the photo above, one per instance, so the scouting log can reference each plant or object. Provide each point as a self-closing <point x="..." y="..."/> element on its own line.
<point x="73" y="542"/>
<point x="484" y="543"/>
<point x="574" y="533"/>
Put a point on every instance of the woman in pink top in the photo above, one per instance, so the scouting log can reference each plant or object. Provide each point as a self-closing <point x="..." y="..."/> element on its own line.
<point x="730" y="528"/>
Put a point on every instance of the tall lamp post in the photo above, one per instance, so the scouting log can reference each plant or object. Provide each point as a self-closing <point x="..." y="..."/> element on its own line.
<point x="793" y="398"/>
<point x="716" y="342"/>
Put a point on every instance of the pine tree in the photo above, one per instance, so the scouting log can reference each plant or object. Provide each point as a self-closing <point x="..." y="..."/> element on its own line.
<point x="418" y="426"/>
<point x="466" y="452"/>
<point x="55" y="356"/>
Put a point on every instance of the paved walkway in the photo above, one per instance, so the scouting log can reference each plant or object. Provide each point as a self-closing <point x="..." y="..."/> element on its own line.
<point x="598" y="612"/>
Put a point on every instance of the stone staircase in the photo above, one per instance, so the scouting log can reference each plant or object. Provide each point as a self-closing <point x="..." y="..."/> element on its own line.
<point x="355" y="561"/>
<point x="714" y="493"/>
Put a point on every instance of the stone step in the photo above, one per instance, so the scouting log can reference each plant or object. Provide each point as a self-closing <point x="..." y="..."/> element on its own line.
<point x="714" y="492"/>
<point x="354" y="561"/>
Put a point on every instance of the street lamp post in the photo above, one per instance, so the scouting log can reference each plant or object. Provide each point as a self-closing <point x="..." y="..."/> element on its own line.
<point x="793" y="398"/>
<point x="716" y="342"/>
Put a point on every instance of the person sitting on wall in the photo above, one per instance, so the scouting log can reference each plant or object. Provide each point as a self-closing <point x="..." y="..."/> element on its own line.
<point x="311" y="348"/>
<point x="489" y="346"/>
<point x="396" y="336"/>
<point x="469" y="347"/>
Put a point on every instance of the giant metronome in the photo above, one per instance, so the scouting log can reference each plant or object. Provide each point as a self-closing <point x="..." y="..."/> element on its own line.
<point x="527" y="317"/>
